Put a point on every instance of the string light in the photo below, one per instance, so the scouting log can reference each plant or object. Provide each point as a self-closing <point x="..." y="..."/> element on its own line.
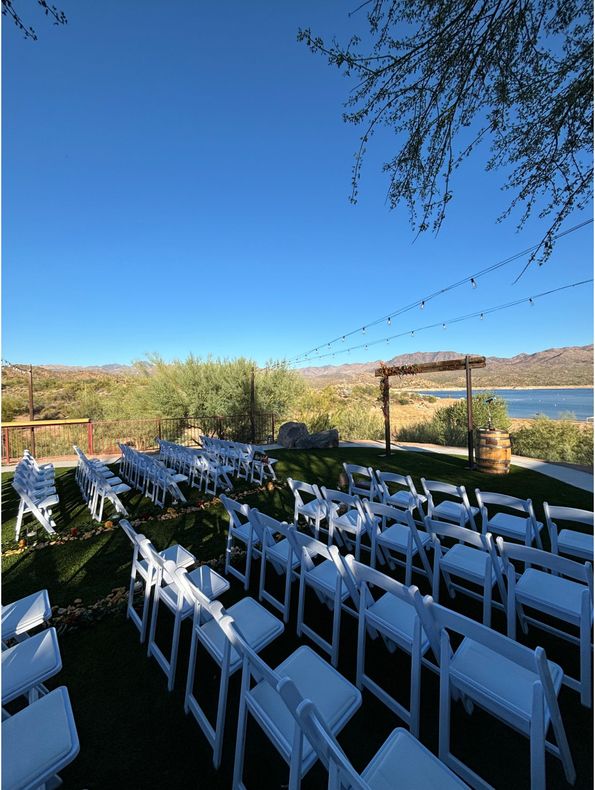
<point x="364" y="330"/>
<point x="472" y="279"/>
<point x="478" y="314"/>
<point x="388" y="321"/>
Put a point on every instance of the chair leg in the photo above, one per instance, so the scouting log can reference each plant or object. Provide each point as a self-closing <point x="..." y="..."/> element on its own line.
<point x="174" y="652"/>
<point x="238" y="766"/>
<point x="537" y="740"/>
<point x="20" y="518"/>
<point x="585" y="657"/>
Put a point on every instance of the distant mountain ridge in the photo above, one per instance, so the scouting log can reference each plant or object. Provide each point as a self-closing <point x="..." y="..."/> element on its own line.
<point x="567" y="366"/>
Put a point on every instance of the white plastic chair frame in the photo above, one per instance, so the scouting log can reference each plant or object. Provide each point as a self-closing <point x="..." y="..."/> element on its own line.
<point x="348" y="528"/>
<point x="205" y="630"/>
<point x="449" y="563"/>
<point x="407" y="495"/>
<point x="402" y="761"/>
<point x="331" y="584"/>
<point x="508" y="525"/>
<point x="565" y="593"/>
<point x="150" y="476"/>
<point x="290" y="747"/>
<point x="26" y="666"/>
<point x="401" y="536"/>
<point x="280" y="555"/>
<point x="314" y="511"/>
<point x="262" y="465"/>
<point x="461" y="513"/>
<point x="361" y="481"/>
<point x="487" y="687"/>
<point x="39" y="507"/>
<point x="402" y="629"/>
<point x="240" y="528"/>
<point x="570" y="541"/>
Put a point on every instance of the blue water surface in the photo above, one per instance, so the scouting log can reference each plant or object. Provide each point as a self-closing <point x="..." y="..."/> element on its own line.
<point x="553" y="403"/>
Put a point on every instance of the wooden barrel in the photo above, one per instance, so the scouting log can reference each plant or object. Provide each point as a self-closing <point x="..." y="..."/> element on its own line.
<point x="493" y="451"/>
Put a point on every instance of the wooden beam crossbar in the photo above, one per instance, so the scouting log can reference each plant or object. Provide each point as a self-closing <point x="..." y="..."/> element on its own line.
<point x="431" y="367"/>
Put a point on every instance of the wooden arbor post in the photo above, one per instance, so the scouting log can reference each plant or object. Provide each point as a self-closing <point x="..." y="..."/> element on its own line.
<point x="463" y="363"/>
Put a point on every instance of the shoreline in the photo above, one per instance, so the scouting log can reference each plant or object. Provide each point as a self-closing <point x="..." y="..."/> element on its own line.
<point x="481" y="387"/>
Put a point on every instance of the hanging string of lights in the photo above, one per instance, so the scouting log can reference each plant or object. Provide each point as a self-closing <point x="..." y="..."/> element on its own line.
<point x="470" y="279"/>
<point x="481" y="314"/>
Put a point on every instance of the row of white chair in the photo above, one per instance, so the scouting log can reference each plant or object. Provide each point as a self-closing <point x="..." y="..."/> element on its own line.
<point x="97" y="483"/>
<point x="249" y="461"/>
<point x="150" y="476"/>
<point x="41" y="738"/>
<point x="35" y="485"/>
<point x="561" y="588"/>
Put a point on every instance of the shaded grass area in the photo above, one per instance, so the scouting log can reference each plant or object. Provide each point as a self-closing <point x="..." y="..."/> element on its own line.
<point x="133" y="733"/>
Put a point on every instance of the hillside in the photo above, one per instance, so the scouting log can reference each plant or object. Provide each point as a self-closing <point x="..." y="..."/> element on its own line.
<point x="561" y="367"/>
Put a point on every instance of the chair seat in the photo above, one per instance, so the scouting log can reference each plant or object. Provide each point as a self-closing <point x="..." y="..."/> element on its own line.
<point x="279" y="551"/>
<point x="324" y="578"/>
<point x="48" y="501"/>
<point x="256" y="624"/>
<point x="495" y="682"/>
<point x="313" y="509"/>
<point x="178" y="478"/>
<point x="349" y="521"/>
<point x="25" y="614"/>
<point x="208" y="581"/>
<point x="38" y="741"/>
<point x="510" y="526"/>
<point x="113" y="480"/>
<point x="404" y="499"/>
<point x="179" y="555"/>
<point x="29" y="663"/>
<point x="334" y="696"/>
<point x="122" y="488"/>
<point x="551" y="594"/>
<point x="451" y="511"/>
<point x="462" y="560"/>
<point x="243" y="533"/>
<point x="402" y="761"/>
<point x="397" y="536"/>
<point x="578" y="544"/>
<point x="398" y="616"/>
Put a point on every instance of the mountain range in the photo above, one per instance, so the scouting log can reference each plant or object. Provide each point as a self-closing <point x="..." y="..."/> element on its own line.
<point x="559" y="367"/>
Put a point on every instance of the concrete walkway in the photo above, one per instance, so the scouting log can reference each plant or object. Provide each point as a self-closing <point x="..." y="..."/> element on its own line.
<point x="566" y="474"/>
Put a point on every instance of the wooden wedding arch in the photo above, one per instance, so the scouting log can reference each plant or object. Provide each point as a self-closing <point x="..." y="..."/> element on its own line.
<point x="384" y="372"/>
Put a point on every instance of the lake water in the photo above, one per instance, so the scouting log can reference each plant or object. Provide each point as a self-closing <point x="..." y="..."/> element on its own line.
<point x="554" y="403"/>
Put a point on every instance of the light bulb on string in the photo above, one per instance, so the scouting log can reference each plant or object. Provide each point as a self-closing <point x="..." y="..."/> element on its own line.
<point x="473" y="283"/>
<point x="443" y="326"/>
<point x="363" y="330"/>
<point x="412" y="333"/>
<point x="388" y="321"/>
<point x="366" y="347"/>
<point x="481" y="316"/>
<point x="531" y="302"/>
<point x="422" y="305"/>
<point x="343" y="338"/>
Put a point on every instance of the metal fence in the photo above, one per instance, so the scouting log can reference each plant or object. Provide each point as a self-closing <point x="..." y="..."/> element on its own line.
<point x="54" y="439"/>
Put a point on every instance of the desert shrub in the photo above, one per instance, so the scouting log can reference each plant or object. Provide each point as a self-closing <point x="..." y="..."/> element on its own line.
<point x="449" y="424"/>
<point x="555" y="440"/>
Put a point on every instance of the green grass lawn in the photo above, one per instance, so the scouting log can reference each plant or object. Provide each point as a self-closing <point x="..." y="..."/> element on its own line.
<point x="133" y="733"/>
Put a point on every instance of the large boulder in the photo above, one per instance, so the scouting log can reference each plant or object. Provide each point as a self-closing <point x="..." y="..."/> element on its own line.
<point x="290" y="433"/>
<point x="321" y="439"/>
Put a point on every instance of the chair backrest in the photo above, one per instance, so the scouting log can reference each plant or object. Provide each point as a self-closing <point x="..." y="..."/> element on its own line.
<point x="266" y="526"/>
<point x="385" y="478"/>
<point x="324" y="743"/>
<point x="339" y="497"/>
<point x="556" y="513"/>
<point x="298" y="488"/>
<point x="503" y="500"/>
<point x="387" y="513"/>
<point x="458" y="533"/>
<point x="239" y="514"/>
<point x="579" y="571"/>
<point x="365" y="577"/>
<point x="361" y="479"/>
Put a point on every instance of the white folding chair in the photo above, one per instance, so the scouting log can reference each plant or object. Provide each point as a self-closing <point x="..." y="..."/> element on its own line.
<point x="393" y="532"/>
<point x="392" y="616"/>
<point x="361" y="481"/>
<point x="405" y="497"/>
<point x="456" y="510"/>
<point x="262" y="466"/>
<point x="240" y="529"/>
<point x="39" y="741"/>
<point x="516" y="685"/>
<point x="332" y="586"/>
<point x="471" y="557"/>
<point x="39" y="504"/>
<point x="27" y="665"/>
<point x="258" y="627"/>
<point x="336" y="698"/>
<point x="280" y="554"/>
<point x="313" y="510"/>
<point x="168" y="591"/>
<point x="558" y="588"/>
<point x="22" y="616"/>
<point x="401" y="762"/>
<point x="143" y="568"/>
<point x="525" y="528"/>
<point x="570" y="541"/>
<point x="346" y="519"/>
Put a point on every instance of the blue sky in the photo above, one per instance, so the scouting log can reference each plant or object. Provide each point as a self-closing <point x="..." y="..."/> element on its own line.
<point x="176" y="179"/>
